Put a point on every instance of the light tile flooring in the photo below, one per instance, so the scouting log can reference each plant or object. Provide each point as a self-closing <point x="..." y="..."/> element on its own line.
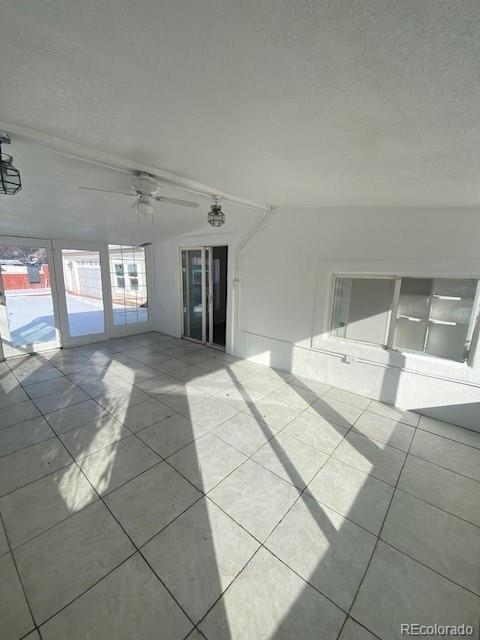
<point x="156" y="489"/>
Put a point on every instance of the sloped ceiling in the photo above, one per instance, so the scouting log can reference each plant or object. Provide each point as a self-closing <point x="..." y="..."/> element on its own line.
<point x="314" y="102"/>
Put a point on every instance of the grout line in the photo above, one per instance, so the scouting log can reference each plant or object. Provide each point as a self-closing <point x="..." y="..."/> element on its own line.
<point x="53" y="526"/>
<point x="27" y="446"/>
<point x="360" y="624"/>
<point x="2" y="523"/>
<point x="137" y="550"/>
<point x="435" y="506"/>
<point x="261" y="544"/>
<point x="378" y="538"/>
<point x="87" y="589"/>
<point x="458" y="473"/>
<point x="302" y="492"/>
<point x="440" y="435"/>
<point x="104" y="494"/>
<point x="211" y="432"/>
<point x="432" y="569"/>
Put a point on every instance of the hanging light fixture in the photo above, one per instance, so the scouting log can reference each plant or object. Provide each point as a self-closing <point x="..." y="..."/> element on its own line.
<point x="144" y="205"/>
<point x="216" y="217"/>
<point x="10" y="182"/>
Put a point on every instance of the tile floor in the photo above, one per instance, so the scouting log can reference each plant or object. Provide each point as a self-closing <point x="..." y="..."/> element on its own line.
<point x="153" y="488"/>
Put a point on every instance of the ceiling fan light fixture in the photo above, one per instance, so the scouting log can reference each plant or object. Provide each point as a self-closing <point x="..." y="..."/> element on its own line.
<point x="216" y="217"/>
<point x="144" y="206"/>
<point x="10" y="181"/>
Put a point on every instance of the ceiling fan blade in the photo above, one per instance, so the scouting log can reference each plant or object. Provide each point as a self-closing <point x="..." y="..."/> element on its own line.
<point x="124" y="193"/>
<point x="182" y="203"/>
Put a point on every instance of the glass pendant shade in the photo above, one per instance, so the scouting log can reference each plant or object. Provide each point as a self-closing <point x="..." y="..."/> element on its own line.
<point x="216" y="217"/>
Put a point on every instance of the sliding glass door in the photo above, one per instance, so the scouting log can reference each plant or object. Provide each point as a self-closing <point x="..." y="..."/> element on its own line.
<point x="194" y="294"/>
<point x="28" y="305"/>
<point x="204" y="288"/>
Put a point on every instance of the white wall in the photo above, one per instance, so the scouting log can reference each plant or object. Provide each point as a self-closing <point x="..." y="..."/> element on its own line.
<point x="285" y="281"/>
<point x="167" y="274"/>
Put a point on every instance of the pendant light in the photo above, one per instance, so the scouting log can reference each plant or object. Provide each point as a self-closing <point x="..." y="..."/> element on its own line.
<point x="10" y="181"/>
<point x="216" y="217"/>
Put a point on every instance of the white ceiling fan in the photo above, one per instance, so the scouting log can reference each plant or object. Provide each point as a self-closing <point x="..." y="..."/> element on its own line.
<point x="146" y="188"/>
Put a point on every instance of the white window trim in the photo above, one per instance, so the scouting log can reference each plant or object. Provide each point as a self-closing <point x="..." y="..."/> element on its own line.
<point x="472" y="338"/>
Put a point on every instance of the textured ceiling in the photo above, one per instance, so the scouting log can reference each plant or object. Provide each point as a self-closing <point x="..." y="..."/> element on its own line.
<point x="361" y="102"/>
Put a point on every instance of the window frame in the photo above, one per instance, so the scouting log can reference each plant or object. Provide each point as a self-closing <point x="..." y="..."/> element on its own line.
<point x="472" y="330"/>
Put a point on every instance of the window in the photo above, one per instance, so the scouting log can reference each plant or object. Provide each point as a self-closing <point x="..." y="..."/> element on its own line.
<point x="129" y="294"/>
<point x="435" y="316"/>
<point x="119" y="271"/>
<point x="133" y="276"/>
<point x="362" y="308"/>
<point x="83" y="292"/>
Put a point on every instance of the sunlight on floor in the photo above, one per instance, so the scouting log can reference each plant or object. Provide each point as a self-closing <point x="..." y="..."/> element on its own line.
<point x="257" y="496"/>
<point x="73" y="490"/>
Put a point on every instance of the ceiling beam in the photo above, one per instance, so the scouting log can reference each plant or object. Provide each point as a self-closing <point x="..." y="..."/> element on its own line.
<point x="108" y="161"/>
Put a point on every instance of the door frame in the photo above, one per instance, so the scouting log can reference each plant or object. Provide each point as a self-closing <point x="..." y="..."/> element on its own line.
<point x="111" y="330"/>
<point x="36" y="347"/>
<point x="54" y="257"/>
<point x="204" y="295"/>
<point x="207" y="295"/>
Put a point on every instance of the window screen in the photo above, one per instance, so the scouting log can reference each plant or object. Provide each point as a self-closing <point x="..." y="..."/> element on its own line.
<point x="362" y="308"/>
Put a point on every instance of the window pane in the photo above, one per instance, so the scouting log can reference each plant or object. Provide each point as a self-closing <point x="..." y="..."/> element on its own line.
<point x="415" y="298"/>
<point x="410" y="334"/>
<point x="119" y="315"/>
<point x="192" y="293"/>
<point x="412" y="314"/>
<point x="461" y="288"/>
<point x="447" y="341"/>
<point x="26" y="307"/>
<point x="129" y="284"/>
<point x="434" y="315"/>
<point x="458" y="311"/>
<point x="83" y="290"/>
<point x="361" y="308"/>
